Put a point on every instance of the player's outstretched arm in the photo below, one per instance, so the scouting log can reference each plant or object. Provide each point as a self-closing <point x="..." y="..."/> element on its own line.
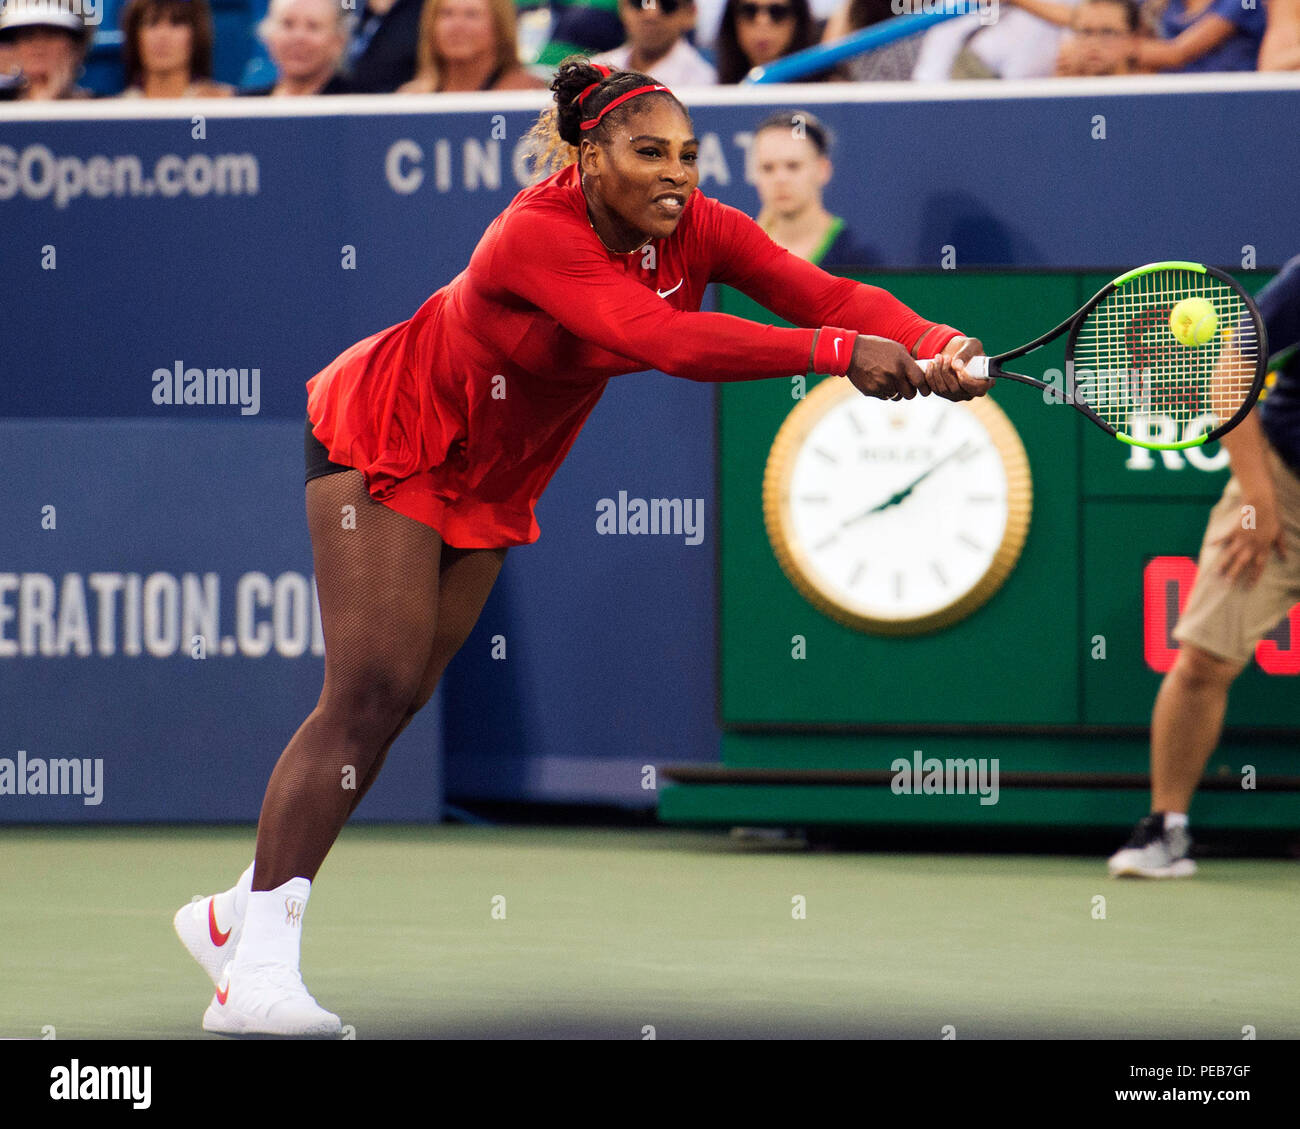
<point x="794" y="289"/>
<point x="572" y="281"/>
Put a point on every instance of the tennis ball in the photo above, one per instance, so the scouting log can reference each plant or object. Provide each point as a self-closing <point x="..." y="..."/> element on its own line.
<point x="1194" y="321"/>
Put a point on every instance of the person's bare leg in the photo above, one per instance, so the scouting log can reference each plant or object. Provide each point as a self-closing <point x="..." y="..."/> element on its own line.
<point x="467" y="576"/>
<point x="1186" y="724"/>
<point x="377" y="577"/>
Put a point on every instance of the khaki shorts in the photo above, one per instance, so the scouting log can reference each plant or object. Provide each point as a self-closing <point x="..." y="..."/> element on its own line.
<point x="1227" y="619"/>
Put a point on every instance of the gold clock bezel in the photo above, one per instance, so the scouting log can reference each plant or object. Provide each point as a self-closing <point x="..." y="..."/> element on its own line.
<point x="794" y="560"/>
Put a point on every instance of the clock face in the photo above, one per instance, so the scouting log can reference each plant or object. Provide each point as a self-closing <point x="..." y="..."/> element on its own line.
<point x="896" y="517"/>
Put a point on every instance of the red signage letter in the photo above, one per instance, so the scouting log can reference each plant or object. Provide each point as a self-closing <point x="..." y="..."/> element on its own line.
<point x="1279" y="651"/>
<point x="1166" y="584"/>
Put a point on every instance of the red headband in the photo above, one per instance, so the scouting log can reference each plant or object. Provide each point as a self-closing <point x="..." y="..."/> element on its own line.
<point x="621" y="98"/>
<point x="605" y="72"/>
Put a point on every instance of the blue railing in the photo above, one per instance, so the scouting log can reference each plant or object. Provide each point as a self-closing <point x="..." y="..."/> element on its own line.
<point x="826" y="55"/>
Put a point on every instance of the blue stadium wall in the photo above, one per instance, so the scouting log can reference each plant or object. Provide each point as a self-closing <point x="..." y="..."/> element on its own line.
<point x="268" y="238"/>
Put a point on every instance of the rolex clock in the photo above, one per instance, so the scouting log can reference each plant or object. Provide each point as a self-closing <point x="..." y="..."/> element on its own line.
<point x="896" y="517"/>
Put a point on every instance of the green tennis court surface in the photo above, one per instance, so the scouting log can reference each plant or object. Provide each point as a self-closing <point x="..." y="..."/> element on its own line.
<point x="608" y="932"/>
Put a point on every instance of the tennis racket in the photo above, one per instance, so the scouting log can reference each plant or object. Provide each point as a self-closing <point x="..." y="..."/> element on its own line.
<point x="1149" y="362"/>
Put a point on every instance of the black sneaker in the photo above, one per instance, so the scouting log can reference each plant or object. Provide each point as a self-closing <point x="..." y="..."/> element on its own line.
<point x="1153" y="852"/>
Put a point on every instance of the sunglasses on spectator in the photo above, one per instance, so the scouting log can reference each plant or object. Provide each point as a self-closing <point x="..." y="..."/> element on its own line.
<point x="668" y="7"/>
<point x="777" y="13"/>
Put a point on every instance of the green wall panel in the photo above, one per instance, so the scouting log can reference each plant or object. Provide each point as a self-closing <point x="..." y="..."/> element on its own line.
<point x="1016" y="660"/>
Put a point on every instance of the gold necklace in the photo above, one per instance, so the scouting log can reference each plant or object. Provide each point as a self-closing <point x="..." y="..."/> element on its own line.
<point x="614" y="251"/>
<point x="582" y="181"/>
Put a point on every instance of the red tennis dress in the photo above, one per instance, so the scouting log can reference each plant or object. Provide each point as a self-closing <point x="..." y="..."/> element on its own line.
<point x="459" y="417"/>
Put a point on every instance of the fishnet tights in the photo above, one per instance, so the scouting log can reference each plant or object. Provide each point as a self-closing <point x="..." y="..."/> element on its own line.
<point x="396" y="604"/>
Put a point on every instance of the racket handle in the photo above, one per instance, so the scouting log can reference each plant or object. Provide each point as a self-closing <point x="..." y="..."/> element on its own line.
<point x="976" y="366"/>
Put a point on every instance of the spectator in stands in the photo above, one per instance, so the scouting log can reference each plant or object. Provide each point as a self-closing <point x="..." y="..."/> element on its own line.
<point x="468" y="45"/>
<point x="1280" y="50"/>
<point x="656" y="43"/>
<point x="1016" y="45"/>
<point x="49" y="39"/>
<point x="10" y="70"/>
<point x="580" y="27"/>
<point x="1205" y="35"/>
<point x="894" y="62"/>
<point x="306" y="39"/>
<point x="754" y="33"/>
<point x="167" y="50"/>
<point x="381" y="54"/>
<point x="792" y="166"/>
<point x="1195" y="35"/>
<point x="1103" y="39"/>
<point x="708" y="20"/>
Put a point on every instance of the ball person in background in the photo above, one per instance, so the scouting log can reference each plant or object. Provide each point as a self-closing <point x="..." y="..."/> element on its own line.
<point x="792" y="165"/>
<point x="1248" y="577"/>
<point x="429" y="444"/>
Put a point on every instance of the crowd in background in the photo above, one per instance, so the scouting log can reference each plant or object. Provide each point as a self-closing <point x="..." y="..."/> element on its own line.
<point x="445" y="46"/>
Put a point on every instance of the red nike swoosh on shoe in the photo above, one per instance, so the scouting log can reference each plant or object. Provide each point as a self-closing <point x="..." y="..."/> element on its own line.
<point x="218" y="938"/>
<point x="222" y="996"/>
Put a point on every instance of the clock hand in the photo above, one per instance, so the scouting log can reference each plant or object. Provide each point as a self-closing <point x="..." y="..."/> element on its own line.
<point x="903" y="494"/>
<point x="926" y="473"/>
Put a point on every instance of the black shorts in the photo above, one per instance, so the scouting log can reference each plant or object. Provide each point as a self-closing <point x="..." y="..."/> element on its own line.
<point x="318" y="458"/>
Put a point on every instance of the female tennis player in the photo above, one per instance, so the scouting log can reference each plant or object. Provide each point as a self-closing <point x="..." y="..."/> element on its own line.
<point x="429" y="444"/>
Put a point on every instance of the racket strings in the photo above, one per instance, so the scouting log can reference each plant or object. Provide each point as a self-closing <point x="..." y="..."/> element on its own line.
<point x="1132" y="370"/>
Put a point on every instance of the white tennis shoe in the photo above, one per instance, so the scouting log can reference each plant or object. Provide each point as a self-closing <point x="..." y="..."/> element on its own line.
<point x="199" y="928"/>
<point x="267" y="999"/>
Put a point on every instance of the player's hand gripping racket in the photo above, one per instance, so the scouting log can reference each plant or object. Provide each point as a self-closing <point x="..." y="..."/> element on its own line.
<point x="1167" y="356"/>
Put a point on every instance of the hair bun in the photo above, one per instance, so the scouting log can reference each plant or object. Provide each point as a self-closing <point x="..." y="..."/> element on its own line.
<point x="583" y="89"/>
<point x="574" y="76"/>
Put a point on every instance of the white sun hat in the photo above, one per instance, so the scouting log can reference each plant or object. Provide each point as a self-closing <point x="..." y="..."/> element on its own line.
<point x="62" y="14"/>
